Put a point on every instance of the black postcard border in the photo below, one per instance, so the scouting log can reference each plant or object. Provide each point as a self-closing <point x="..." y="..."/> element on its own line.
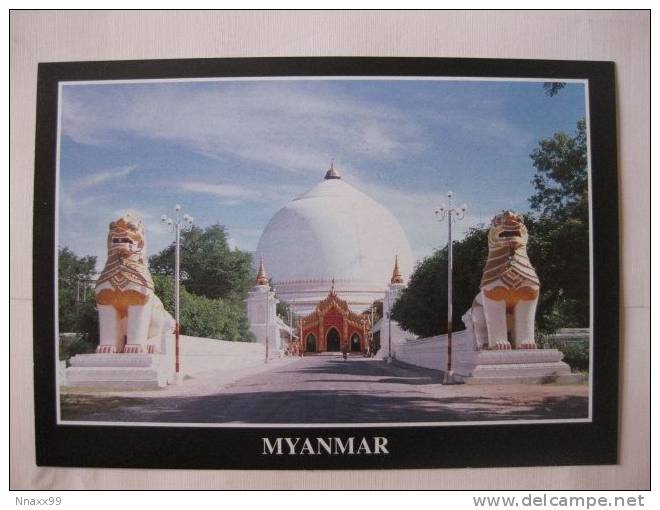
<point x="546" y="444"/>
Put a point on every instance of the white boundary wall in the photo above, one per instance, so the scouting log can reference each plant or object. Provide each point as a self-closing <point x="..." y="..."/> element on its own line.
<point x="431" y="352"/>
<point x="200" y="355"/>
<point x="473" y="366"/>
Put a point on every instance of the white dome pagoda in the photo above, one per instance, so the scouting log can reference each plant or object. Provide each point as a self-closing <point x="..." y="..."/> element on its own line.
<point x="333" y="234"/>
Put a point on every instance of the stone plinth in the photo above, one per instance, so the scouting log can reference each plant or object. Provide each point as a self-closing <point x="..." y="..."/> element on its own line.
<point x="534" y="366"/>
<point x="515" y="366"/>
<point x="119" y="371"/>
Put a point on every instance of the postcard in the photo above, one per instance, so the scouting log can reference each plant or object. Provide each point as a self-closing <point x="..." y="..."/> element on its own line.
<point x="338" y="263"/>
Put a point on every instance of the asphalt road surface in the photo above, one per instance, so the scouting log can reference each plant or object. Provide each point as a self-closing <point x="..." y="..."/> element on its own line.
<point x="327" y="389"/>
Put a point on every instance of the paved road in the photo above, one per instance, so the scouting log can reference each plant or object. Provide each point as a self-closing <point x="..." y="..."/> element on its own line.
<point x="327" y="389"/>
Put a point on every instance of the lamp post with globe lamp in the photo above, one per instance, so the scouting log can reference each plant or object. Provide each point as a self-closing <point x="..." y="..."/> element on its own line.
<point x="290" y="317"/>
<point x="300" y="337"/>
<point x="372" y="344"/>
<point x="268" y="321"/>
<point x="180" y="223"/>
<point x="389" y="328"/>
<point x="267" y="324"/>
<point x="450" y="213"/>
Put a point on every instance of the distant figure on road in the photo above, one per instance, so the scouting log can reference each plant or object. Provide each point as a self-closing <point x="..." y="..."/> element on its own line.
<point x="344" y="351"/>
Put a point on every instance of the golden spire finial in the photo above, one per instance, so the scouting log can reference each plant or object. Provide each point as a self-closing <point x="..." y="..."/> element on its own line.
<point x="396" y="274"/>
<point x="262" y="277"/>
<point x="332" y="288"/>
<point x="332" y="172"/>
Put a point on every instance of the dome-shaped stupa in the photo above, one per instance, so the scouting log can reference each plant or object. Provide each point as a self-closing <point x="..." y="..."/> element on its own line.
<point x="333" y="233"/>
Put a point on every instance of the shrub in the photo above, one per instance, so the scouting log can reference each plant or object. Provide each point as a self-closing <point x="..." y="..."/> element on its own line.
<point x="204" y="317"/>
<point x="72" y="344"/>
<point x="576" y="354"/>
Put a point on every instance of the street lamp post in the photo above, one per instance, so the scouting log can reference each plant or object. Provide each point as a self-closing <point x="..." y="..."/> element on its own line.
<point x="389" y="328"/>
<point x="268" y="319"/>
<point x="267" y="324"/>
<point x="290" y="329"/>
<point x="372" y="344"/>
<point x="180" y="223"/>
<point x="300" y="337"/>
<point x="450" y="212"/>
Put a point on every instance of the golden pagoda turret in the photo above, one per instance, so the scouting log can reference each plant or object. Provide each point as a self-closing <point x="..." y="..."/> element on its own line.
<point x="396" y="273"/>
<point x="332" y="172"/>
<point x="262" y="277"/>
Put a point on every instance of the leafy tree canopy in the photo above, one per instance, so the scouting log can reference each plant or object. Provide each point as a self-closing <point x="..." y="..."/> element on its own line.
<point x="71" y="267"/>
<point x="561" y="174"/>
<point x="422" y="305"/>
<point x="209" y="267"/>
<point x="552" y="88"/>
<point x="283" y="308"/>
<point x="74" y="275"/>
<point x="377" y="307"/>
<point x="76" y="304"/>
<point x="559" y="250"/>
<point x="204" y="317"/>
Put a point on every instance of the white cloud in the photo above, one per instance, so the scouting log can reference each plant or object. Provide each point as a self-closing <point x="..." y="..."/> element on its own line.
<point x="494" y="131"/>
<point x="239" y="193"/>
<point x="481" y="121"/>
<point x="289" y="128"/>
<point x="415" y="211"/>
<point x="99" y="177"/>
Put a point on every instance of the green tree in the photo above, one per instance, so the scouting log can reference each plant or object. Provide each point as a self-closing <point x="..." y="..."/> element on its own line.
<point x="74" y="277"/>
<point x="209" y="267"/>
<point x="377" y="307"/>
<point x="283" y="308"/>
<point x="200" y="316"/>
<point x="76" y="304"/>
<point x="561" y="179"/>
<point x="422" y="305"/>
<point x="559" y="231"/>
<point x="552" y="88"/>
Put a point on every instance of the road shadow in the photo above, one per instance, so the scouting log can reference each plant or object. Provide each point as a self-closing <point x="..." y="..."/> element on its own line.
<point x="414" y="381"/>
<point x="393" y="372"/>
<point x="303" y="406"/>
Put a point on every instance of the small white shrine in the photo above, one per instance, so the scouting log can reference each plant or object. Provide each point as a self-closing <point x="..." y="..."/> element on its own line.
<point x="262" y="314"/>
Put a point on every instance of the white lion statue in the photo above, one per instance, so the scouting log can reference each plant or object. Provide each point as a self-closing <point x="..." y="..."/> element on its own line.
<point x="503" y="312"/>
<point x="131" y="317"/>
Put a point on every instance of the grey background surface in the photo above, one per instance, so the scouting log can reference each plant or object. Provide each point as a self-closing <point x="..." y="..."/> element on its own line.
<point x="623" y="37"/>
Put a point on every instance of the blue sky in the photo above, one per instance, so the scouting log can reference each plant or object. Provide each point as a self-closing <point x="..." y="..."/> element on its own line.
<point x="234" y="152"/>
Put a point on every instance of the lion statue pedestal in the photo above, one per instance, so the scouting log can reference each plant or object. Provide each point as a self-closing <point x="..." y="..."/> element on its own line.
<point x="136" y="333"/>
<point x="498" y="345"/>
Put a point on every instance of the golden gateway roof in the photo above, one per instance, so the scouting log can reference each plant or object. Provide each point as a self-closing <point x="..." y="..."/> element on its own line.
<point x="332" y="301"/>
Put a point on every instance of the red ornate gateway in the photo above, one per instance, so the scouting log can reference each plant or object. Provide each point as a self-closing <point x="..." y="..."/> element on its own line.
<point x="333" y="327"/>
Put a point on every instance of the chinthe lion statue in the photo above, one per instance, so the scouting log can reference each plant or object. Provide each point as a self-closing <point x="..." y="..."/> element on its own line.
<point x="131" y="317"/>
<point x="503" y="312"/>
